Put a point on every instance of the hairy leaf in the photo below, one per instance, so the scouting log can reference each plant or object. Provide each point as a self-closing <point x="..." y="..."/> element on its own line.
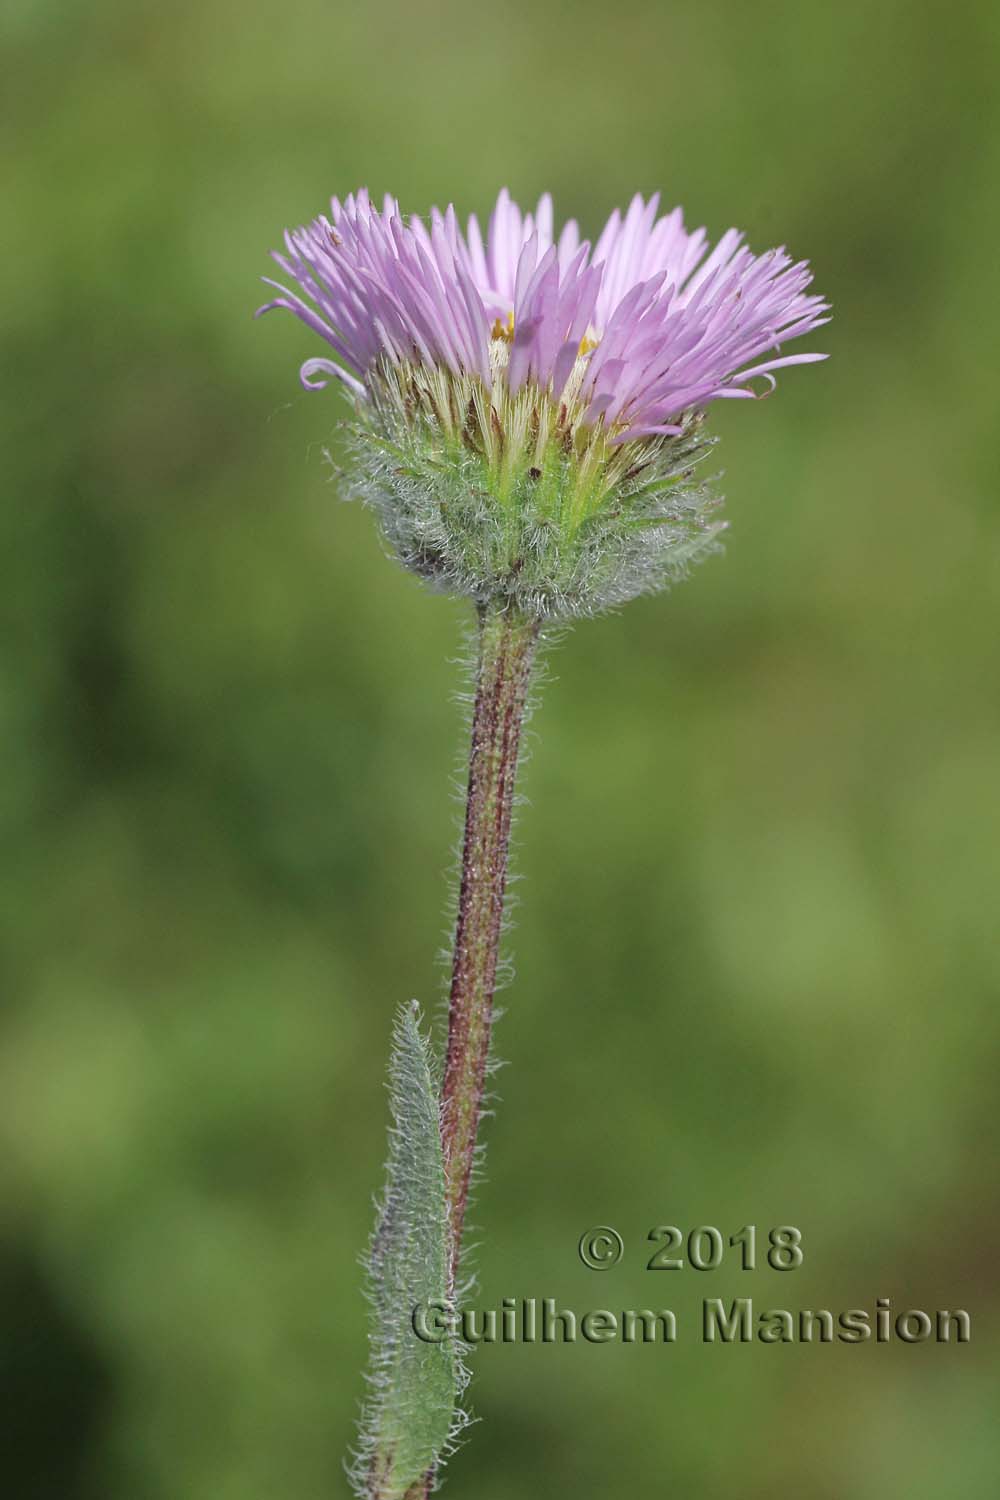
<point x="413" y="1411"/>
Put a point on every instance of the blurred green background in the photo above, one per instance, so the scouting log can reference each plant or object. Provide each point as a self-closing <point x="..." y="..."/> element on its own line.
<point x="756" y="967"/>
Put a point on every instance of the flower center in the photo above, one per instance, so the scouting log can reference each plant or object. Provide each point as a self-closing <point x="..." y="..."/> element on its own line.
<point x="505" y="331"/>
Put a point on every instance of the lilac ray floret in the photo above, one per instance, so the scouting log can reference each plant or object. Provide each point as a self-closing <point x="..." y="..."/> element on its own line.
<point x="647" y="325"/>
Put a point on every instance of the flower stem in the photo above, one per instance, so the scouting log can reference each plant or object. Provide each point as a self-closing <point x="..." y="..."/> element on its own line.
<point x="507" y="645"/>
<point x="508" y="640"/>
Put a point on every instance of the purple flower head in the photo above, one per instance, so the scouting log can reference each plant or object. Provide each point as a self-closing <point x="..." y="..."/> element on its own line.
<point x="529" y="409"/>
<point x="659" y="322"/>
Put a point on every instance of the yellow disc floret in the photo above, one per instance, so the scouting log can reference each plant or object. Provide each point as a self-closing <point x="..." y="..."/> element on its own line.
<point x="502" y="330"/>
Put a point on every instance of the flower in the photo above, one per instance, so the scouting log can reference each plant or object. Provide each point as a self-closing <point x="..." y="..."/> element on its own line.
<point x="529" y="408"/>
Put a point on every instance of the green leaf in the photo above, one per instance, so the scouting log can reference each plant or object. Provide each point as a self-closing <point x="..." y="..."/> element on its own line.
<point x="413" y="1411"/>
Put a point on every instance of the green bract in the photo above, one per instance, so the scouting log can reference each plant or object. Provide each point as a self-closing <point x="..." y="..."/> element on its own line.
<point x="515" y="498"/>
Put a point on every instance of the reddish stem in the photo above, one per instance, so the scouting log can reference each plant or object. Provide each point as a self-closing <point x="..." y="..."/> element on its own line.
<point x="507" y="643"/>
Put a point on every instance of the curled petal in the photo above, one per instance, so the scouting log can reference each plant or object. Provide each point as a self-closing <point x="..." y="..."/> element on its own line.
<point x="321" y="366"/>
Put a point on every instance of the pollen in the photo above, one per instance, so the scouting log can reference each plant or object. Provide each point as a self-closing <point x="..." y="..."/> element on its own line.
<point x="588" y="343"/>
<point x="502" y="330"/>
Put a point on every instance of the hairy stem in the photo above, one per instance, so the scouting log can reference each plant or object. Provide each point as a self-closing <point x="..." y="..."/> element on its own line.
<point x="507" y="644"/>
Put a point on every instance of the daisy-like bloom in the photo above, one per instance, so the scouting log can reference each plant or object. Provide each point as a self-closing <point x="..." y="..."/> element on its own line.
<point x="530" y="407"/>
